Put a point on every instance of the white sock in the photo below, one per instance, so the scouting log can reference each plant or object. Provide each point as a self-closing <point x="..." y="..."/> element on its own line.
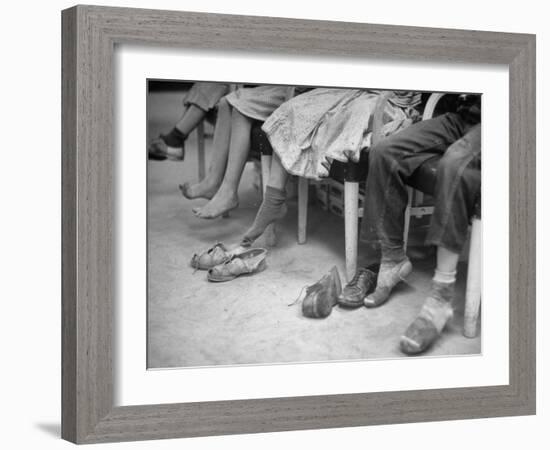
<point x="444" y="277"/>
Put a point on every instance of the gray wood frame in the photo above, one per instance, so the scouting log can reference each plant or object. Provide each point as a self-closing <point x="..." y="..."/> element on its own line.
<point x="89" y="36"/>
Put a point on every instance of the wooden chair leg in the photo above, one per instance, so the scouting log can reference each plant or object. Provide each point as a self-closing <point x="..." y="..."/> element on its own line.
<point x="418" y="200"/>
<point x="407" y="223"/>
<point x="201" y="157"/>
<point x="303" y="193"/>
<point x="351" y="217"/>
<point x="269" y="233"/>
<point x="473" y="283"/>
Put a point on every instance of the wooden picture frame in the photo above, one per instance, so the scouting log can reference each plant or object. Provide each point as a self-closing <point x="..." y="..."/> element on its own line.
<point x="89" y="37"/>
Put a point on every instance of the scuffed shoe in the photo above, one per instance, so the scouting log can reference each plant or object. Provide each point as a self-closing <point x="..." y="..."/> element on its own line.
<point x="218" y="254"/>
<point x="247" y="263"/>
<point x="354" y="293"/>
<point x="430" y="322"/>
<point x="389" y="276"/>
<point x="322" y="296"/>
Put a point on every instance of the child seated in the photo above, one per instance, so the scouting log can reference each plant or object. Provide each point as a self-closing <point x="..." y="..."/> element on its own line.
<point x="201" y="99"/>
<point x="455" y="139"/>
<point x="311" y="130"/>
<point x="236" y="113"/>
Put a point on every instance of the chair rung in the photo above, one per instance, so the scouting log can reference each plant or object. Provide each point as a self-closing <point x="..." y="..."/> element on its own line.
<point x="336" y="209"/>
<point x="419" y="211"/>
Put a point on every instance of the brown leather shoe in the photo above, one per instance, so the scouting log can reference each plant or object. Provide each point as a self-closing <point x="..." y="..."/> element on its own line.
<point x="246" y="263"/>
<point x="362" y="284"/>
<point x="322" y="296"/>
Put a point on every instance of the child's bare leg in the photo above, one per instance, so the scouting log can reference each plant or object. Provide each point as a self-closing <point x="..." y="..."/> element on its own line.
<point x="191" y="117"/>
<point x="226" y="198"/>
<point x="273" y="206"/>
<point x="220" y="149"/>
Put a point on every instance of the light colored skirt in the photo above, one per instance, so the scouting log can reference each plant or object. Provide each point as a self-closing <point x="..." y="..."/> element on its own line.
<point x="259" y="102"/>
<point x="205" y="95"/>
<point x="322" y="125"/>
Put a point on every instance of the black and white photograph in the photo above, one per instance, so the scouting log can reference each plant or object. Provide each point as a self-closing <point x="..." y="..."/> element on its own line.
<point x="258" y="225"/>
<point x="299" y="224"/>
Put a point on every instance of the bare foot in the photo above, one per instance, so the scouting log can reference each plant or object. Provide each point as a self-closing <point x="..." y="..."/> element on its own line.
<point x="204" y="189"/>
<point x="221" y="203"/>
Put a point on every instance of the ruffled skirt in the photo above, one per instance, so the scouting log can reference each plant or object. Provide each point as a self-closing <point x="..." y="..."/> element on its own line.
<point x="311" y="130"/>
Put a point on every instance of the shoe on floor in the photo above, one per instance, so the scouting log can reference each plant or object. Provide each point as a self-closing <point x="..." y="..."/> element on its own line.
<point x="322" y="296"/>
<point x="214" y="256"/>
<point x="354" y="293"/>
<point x="246" y="263"/>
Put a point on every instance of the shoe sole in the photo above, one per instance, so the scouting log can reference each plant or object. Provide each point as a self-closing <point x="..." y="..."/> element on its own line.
<point x="215" y="279"/>
<point x="349" y="304"/>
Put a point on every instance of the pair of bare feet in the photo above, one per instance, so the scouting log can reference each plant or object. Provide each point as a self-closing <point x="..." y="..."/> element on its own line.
<point x="221" y="200"/>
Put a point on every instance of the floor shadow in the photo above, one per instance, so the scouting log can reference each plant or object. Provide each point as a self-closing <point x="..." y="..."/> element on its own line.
<point x="53" y="429"/>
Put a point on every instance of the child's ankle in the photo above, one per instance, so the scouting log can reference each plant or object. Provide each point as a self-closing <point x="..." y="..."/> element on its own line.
<point x="443" y="292"/>
<point x="175" y="138"/>
<point x="393" y="254"/>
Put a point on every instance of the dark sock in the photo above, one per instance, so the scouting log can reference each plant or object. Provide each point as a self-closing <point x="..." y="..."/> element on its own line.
<point x="273" y="208"/>
<point x="175" y="138"/>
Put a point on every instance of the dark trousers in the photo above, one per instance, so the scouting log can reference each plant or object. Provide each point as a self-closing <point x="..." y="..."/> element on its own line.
<point x="457" y="145"/>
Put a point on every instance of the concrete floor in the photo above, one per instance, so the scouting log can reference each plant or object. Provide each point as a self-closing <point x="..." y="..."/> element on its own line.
<point x="192" y="322"/>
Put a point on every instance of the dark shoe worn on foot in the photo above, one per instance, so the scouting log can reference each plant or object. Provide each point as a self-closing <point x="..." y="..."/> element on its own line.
<point x="155" y="151"/>
<point x="246" y="263"/>
<point x="354" y="293"/>
<point x="322" y="296"/>
<point x="390" y="274"/>
<point x="169" y="146"/>
<point x="430" y="322"/>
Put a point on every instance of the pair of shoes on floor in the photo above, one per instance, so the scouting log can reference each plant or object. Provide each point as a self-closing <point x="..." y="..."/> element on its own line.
<point x="322" y="296"/>
<point x="159" y="150"/>
<point x="225" y="265"/>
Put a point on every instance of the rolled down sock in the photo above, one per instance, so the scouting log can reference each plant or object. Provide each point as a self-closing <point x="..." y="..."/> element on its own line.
<point x="273" y="208"/>
<point x="444" y="277"/>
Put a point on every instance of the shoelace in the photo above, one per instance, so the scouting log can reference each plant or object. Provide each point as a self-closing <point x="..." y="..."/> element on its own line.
<point x="299" y="296"/>
<point x="359" y="275"/>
